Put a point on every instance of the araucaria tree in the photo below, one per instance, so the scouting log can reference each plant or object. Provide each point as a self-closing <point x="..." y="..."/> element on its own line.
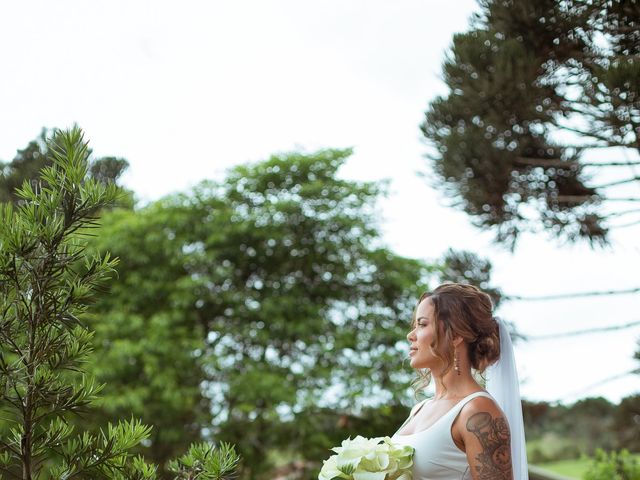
<point x="47" y="282"/>
<point x="544" y="101"/>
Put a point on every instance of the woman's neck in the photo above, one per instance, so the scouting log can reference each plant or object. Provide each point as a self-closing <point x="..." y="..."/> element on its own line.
<point x="453" y="386"/>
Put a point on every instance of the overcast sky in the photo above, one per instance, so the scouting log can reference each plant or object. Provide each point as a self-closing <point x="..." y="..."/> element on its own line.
<point x="184" y="90"/>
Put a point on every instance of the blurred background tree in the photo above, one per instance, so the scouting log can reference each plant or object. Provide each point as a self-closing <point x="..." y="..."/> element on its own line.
<point x="262" y="309"/>
<point x="467" y="267"/>
<point x="543" y="95"/>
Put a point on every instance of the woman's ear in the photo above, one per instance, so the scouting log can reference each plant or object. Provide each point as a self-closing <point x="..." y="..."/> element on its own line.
<point x="457" y="340"/>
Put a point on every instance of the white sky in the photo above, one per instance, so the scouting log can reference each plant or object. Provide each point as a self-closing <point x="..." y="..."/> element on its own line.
<point x="183" y="90"/>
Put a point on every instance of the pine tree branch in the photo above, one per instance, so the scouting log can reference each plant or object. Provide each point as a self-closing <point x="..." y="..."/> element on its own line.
<point x="577" y="198"/>
<point x="546" y="162"/>
<point x="592" y="134"/>
<point x="590" y="111"/>
<point x="573" y="295"/>
<point x="9" y="472"/>
<point x="584" y="198"/>
<point x="8" y="446"/>
<point x="16" y="348"/>
<point x="560" y="163"/>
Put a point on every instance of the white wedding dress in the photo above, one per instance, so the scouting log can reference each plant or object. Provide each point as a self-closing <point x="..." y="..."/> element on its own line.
<point x="435" y="456"/>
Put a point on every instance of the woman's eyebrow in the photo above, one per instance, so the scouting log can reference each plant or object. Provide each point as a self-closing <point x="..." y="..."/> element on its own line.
<point x="421" y="318"/>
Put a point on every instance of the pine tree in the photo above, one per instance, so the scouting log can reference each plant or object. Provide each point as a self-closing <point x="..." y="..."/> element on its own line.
<point x="47" y="282"/>
<point x="29" y="161"/>
<point x="544" y="95"/>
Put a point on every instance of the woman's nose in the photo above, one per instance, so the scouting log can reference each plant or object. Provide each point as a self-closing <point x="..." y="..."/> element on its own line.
<point x="410" y="335"/>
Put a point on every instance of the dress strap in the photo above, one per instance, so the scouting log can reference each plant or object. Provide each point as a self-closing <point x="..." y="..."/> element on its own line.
<point x="417" y="407"/>
<point x="458" y="407"/>
<point x="414" y="410"/>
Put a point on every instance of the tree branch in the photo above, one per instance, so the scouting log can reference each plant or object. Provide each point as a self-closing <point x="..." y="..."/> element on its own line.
<point x="577" y="198"/>
<point x="546" y="162"/>
<point x="559" y="163"/>
<point x="8" y="446"/>
<point x="592" y="134"/>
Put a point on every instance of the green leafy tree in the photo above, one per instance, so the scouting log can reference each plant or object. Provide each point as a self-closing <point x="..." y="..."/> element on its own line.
<point x="591" y="420"/>
<point x="626" y="424"/>
<point x="543" y="95"/>
<point x="47" y="282"/>
<point x="264" y="306"/>
<point x="150" y="335"/>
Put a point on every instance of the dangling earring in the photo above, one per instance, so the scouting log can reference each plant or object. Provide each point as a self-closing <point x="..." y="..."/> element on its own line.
<point x="456" y="365"/>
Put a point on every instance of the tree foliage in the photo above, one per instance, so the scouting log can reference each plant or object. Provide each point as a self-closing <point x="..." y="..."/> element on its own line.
<point x="613" y="466"/>
<point x="626" y="423"/>
<point x="47" y="282"/>
<point x="29" y="161"/>
<point x="537" y="88"/>
<point x="263" y="308"/>
<point x="467" y="267"/>
<point x="558" y="432"/>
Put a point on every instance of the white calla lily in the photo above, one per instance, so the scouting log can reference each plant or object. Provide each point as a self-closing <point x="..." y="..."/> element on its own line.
<point x="363" y="458"/>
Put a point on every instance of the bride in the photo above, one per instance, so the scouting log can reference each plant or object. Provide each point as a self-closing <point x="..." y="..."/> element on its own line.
<point x="463" y="431"/>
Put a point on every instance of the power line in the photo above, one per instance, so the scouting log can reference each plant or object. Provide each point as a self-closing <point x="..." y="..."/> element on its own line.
<point x="618" y="182"/>
<point x="623" y="225"/>
<point x="586" y="331"/>
<point x="630" y="164"/>
<point x="576" y="393"/>
<point x="572" y="295"/>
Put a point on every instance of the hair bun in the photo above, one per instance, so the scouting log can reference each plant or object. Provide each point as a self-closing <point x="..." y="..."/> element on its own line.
<point x="485" y="350"/>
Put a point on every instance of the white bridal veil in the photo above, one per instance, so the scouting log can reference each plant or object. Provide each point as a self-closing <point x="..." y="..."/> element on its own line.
<point x="502" y="384"/>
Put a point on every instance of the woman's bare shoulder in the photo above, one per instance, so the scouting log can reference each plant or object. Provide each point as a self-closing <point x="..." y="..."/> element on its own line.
<point x="481" y="404"/>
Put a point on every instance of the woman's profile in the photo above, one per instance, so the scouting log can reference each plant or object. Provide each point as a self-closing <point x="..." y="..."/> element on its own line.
<point x="463" y="431"/>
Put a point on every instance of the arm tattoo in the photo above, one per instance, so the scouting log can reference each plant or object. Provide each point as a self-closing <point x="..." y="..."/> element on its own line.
<point x="494" y="461"/>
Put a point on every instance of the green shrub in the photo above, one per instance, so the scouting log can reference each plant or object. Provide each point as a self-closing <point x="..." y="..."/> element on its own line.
<point x="613" y="466"/>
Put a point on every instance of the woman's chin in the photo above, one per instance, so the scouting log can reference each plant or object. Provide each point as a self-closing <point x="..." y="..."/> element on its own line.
<point x="415" y="364"/>
<point x="418" y="364"/>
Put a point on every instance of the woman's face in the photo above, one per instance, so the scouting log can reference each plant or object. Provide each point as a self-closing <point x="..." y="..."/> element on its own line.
<point x="422" y="336"/>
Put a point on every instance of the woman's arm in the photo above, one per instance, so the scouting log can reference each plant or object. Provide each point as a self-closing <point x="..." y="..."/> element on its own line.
<point x="487" y="440"/>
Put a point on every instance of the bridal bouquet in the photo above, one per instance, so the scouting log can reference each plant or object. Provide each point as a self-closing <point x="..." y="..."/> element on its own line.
<point x="368" y="459"/>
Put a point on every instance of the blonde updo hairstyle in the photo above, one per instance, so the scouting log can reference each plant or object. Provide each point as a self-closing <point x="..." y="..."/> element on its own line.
<point x="465" y="311"/>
